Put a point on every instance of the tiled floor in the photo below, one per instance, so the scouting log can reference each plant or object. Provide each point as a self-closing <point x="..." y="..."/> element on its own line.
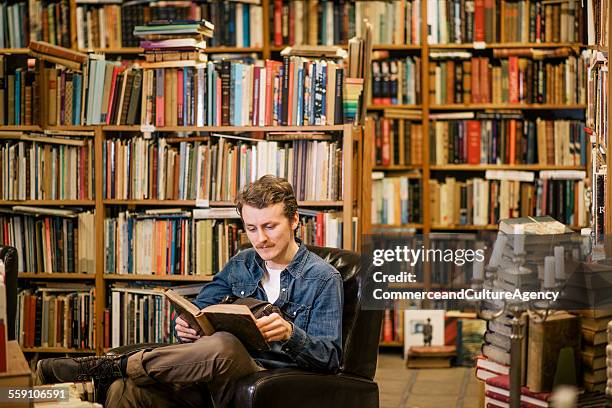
<point x="424" y="388"/>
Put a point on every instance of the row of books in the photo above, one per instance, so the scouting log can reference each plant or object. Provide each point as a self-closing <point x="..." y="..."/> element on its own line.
<point x="597" y="22"/>
<point x="508" y="139"/>
<point x="216" y="170"/>
<point x="50" y="240"/>
<point x="101" y="26"/>
<point x="449" y="274"/>
<point x="396" y="81"/>
<point x="293" y="92"/>
<point x="13" y="34"/>
<point x="176" y="242"/>
<point x="398" y="142"/>
<point x="56" y="316"/>
<point x="297" y="22"/>
<point x="137" y="315"/>
<point x="490" y="21"/>
<point x="98" y="27"/>
<point x="396" y="200"/>
<point x="39" y="167"/>
<point x="393" y="326"/>
<point x="297" y="91"/>
<point x="48" y="21"/>
<point x="23" y="21"/>
<point x="157" y="244"/>
<point x="18" y="93"/>
<point x="597" y="127"/>
<point x="478" y="201"/>
<point x="508" y="80"/>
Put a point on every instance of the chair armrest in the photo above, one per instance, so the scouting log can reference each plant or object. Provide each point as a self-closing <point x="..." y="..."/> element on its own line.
<point x="293" y="388"/>
<point x="132" y="348"/>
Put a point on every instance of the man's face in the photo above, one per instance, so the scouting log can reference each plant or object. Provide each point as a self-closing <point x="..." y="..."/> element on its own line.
<point x="269" y="230"/>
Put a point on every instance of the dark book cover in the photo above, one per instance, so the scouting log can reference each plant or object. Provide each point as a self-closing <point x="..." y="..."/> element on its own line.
<point x="135" y="98"/>
<point x="226" y="68"/>
<point x="285" y="92"/>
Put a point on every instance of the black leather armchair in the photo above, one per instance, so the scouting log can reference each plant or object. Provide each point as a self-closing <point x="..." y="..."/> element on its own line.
<point x="9" y="257"/>
<point x="353" y="385"/>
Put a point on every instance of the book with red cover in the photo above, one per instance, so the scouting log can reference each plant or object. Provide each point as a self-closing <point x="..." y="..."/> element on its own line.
<point x="479" y="20"/>
<point x="473" y="141"/>
<point x="386" y="142"/>
<point x="501" y="385"/>
<point x="513" y="79"/>
<point x="476" y="94"/>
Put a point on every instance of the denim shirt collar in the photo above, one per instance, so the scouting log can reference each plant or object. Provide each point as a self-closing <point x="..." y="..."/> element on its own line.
<point x="296" y="265"/>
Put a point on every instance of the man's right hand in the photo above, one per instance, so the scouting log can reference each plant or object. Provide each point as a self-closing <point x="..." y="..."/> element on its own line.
<point x="185" y="332"/>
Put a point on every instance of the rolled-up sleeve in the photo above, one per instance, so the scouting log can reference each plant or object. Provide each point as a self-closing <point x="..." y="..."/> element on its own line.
<point x="319" y="347"/>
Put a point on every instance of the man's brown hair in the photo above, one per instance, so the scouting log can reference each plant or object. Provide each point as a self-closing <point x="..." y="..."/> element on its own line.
<point x="267" y="191"/>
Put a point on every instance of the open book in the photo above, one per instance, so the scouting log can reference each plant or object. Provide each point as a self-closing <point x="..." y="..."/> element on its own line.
<point x="235" y="319"/>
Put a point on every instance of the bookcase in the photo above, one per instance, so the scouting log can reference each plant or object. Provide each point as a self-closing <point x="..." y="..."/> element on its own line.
<point x="467" y="48"/>
<point x="104" y="208"/>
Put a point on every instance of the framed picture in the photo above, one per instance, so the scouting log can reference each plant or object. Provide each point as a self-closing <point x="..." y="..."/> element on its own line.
<point x="415" y="322"/>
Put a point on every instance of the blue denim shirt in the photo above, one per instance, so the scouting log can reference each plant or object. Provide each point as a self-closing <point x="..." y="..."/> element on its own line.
<point x="311" y="297"/>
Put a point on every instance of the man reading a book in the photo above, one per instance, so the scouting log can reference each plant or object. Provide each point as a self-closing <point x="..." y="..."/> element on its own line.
<point x="279" y="269"/>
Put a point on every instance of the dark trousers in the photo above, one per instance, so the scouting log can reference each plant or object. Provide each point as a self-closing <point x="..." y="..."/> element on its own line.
<point x="184" y="375"/>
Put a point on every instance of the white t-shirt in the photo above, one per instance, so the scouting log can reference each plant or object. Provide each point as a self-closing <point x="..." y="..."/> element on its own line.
<point x="271" y="283"/>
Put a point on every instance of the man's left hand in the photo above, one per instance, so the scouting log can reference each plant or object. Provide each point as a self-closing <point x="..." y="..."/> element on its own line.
<point x="274" y="327"/>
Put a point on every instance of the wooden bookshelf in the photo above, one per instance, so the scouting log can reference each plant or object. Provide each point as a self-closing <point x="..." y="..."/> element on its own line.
<point x="56" y="276"/>
<point x="396" y="226"/>
<point x="49" y="203"/>
<point x="504" y="106"/>
<point x="502" y="45"/>
<point x="192" y="203"/>
<point x="20" y="128"/>
<point x="17" y="51"/>
<point x="211" y="50"/>
<point x="349" y="141"/>
<point x="164" y="278"/>
<point x="483" y="167"/>
<point x="399" y="106"/>
<point x="236" y="129"/>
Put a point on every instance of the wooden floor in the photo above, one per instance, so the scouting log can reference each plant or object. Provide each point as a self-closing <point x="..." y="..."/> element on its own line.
<point x="424" y="388"/>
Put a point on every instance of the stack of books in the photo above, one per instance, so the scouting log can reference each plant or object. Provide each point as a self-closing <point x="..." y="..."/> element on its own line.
<point x="596" y="329"/>
<point x="174" y="44"/>
<point x="497" y="394"/>
<point x="57" y="55"/>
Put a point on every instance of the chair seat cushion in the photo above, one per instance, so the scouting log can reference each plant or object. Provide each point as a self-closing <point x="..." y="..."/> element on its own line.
<point x="285" y="387"/>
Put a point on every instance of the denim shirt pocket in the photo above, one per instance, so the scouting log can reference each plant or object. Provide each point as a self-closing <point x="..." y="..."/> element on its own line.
<point x="243" y="290"/>
<point x="299" y="314"/>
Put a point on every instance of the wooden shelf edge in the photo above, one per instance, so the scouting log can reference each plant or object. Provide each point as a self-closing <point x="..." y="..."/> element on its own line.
<point x="483" y="167"/>
<point x="14" y="50"/>
<point x="40" y="203"/>
<point x="208" y="50"/>
<point x="507" y="106"/>
<point x="391" y="344"/>
<point x="56" y="275"/>
<point x="398" y="226"/>
<point x="136" y="128"/>
<point x="464" y="227"/>
<point x="167" y="278"/>
<point x="192" y="203"/>
<point x="504" y="45"/>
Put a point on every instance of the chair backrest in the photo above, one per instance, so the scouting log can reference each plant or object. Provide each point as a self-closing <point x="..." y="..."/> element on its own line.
<point x="9" y="257"/>
<point x="360" y="328"/>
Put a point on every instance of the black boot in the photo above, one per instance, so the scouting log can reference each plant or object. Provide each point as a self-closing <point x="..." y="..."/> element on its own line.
<point x="102" y="370"/>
